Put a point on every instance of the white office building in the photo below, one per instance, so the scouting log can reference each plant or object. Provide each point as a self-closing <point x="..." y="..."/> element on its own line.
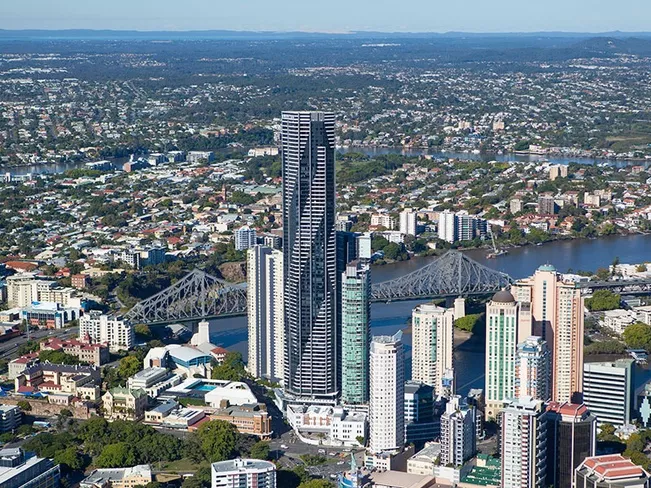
<point x="447" y="226"/>
<point x="408" y="222"/>
<point x="364" y="250"/>
<point x="433" y="336"/>
<point x="524" y="444"/>
<point x="100" y="328"/>
<point x="265" y="312"/>
<point x="243" y="473"/>
<point x="533" y="369"/>
<point x="245" y="238"/>
<point x="608" y="391"/>
<point x="387" y="393"/>
<point x="458" y="432"/>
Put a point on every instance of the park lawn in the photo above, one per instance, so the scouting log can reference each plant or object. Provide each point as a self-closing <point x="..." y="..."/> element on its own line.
<point x="183" y="465"/>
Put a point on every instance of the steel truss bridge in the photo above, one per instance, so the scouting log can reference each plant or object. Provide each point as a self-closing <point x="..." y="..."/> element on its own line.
<point x="200" y="295"/>
<point x="627" y="287"/>
<point x="453" y="274"/>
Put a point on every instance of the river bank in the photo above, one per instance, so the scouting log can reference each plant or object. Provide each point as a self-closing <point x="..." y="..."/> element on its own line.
<point x="566" y="255"/>
<point x="554" y="158"/>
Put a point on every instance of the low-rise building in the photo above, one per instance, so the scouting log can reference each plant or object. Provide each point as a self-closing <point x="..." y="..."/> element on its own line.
<point x="81" y="382"/>
<point x="216" y="393"/>
<point x="49" y="315"/>
<point x="10" y="418"/>
<point x="425" y="461"/>
<point x="20" y="469"/>
<point x="118" y="477"/>
<point x="154" y="381"/>
<point x="96" y="354"/>
<point x="643" y="314"/>
<point x="183" y="418"/>
<point x="125" y="404"/>
<point x="618" y="320"/>
<point x="18" y="365"/>
<point x="611" y="471"/>
<point x="399" y="479"/>
<point x="80" y="281"/>
<point x="248" y="419"/>
<point x="348" y="427"/>
<point x="158" y="413"/>
<point x="187" y="359"/>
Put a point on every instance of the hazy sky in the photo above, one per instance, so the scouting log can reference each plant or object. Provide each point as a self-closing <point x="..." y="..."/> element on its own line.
<point x="330" y="15"/>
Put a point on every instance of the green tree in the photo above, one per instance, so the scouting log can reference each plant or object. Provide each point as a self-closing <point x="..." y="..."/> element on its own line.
<point x="218" y="440"/>
<point x="129" y="366"/>
<point x="116" y="455"/>
<point x="27" y="347"/>
<point x="603" y="274"/>
<point x="143" y="331"/>
<point x="58" y="357"/>
<point x="603" y="300"/>
<point x="317" y="483"/>
<point x="469" y="323"/>
<point x="260" y="450"/>
<point x="24" y="406"/>
<point x="392" y="251"/>
<point x="231" y="369"/>
<point x="638" y="336"/>
<point x="70" y="458"/>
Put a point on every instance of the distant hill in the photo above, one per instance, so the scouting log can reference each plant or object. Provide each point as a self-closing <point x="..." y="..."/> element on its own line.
<point x="613" y="45"/>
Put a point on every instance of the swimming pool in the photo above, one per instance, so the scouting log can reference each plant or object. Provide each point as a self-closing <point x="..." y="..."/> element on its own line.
<point x="204" y="387"/>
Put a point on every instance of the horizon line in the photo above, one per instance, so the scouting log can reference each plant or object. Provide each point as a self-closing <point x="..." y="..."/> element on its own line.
<point x="324" y="32"/>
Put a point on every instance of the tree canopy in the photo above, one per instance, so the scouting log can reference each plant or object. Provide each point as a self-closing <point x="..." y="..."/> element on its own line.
<point x="638" y="336"/>
<point x="602" y="300"/>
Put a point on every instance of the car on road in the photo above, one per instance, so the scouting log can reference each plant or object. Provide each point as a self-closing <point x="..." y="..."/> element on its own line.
<point x="284" y="446"/>
<point x="321" y="451"/>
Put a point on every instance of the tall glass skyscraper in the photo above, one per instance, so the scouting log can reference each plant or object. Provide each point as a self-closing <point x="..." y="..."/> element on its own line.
<point x="310" y="261"/>
<point x="355" y="332"/>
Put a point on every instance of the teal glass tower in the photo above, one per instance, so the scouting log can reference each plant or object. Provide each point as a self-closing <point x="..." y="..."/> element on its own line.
<point x="355" y="333"/>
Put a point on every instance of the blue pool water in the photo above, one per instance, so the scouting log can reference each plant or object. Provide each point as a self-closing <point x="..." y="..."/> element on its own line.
<point x="204" y="387"/>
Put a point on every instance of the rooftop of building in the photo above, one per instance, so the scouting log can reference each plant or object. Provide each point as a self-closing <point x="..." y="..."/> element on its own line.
<point x="184" y="353"/>
<point x="121" y="391"/>
<point x="412" y="387"/>
<point x="569" y="410"/>
<point x="398" y="479"/>
<point x="149" y="373"/>
<point x="612" y="467"/>
<point x="547" y="267"/>
<point x="430" y="452"/>
<point x="27" y="463"/>
<point x="101" y="476"/>
<point x="242" y="465"/>
<point x="166" y="407"/>
<point x="524" y="403"/>
<point x="503" y="296"/>
<point x="61" y="368"/>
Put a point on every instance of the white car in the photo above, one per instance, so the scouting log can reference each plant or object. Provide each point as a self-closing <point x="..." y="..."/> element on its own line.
<point x="284" y="446"/>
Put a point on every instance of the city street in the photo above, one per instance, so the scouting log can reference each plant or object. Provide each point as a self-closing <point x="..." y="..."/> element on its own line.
<point x="8" y="349"/>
